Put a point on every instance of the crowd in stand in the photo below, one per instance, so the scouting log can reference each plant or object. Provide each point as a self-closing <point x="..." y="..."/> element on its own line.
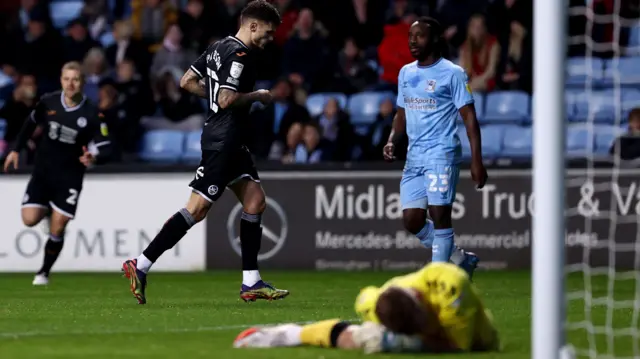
<point x="135" y="51"/>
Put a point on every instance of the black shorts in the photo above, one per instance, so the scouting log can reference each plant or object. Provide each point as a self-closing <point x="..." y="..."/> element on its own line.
<point x="59" y="194"/>
<point x="219" y="169"/>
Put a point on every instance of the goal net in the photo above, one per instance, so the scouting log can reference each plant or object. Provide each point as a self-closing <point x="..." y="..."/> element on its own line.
<point x="602" y="283"/>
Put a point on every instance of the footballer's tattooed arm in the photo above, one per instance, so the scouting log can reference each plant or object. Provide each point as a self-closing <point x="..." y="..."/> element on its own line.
<point x="229" y="98"/>
<point x="190" y="81"/>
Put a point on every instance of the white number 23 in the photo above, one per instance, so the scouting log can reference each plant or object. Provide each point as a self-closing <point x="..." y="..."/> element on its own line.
<point x="438" y="183"/>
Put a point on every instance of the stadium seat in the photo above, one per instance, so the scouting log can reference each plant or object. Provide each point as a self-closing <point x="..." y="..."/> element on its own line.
<point x="518" y="142"/>
<point x="579" y="141"/>
<point x="630" y="100"/>
<point x="107" y="39"/>
<point x="596" y="107"/>
<point x="3" y="127"/>
<point x="605" y="135"/>
<point x="162" y="146"/>
<point x="582" y="70"/>
<point x="315" y="103"/>
<point x="479" y="105"/>
<point x="507" y="107"/>
<point x="634" y="40"/>
<point x="192" y="151"/>
<point x="364" y="106"/>
<point x="62" y="12"/>
<point x="492" y="138"/>
<point x="627" y="69"/>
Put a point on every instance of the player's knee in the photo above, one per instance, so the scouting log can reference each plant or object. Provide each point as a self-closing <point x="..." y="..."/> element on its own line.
<point x="31" y="216"/>
<point x="199" y="212"/>
<point x="441" y="216"/>
<point x="413" y="220"/>
<point x="256" y="205"/>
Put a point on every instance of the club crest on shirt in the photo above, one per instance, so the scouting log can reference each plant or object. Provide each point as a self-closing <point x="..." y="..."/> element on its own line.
<point x="82" y="122"/>
<point x="431" y="85"/>
<point x="236" y="69"/>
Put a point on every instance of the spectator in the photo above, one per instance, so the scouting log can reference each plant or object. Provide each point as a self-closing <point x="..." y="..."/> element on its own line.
<point x="193" y="25"/>
<point x="286" y="154"/>
<point x="393" y="51"/>
<point x="95" y="14"/>
<point x="135" y="101"/>
<point x="176" y="109"/>
<point x="172" y="55"/>
<point x="17" y="109"/>
<point x="305" y="52"/>
<point x="226" y="17"/>
<point x="78" y="42"/>
<point x="515" y="69"/>
<point x="454" y="16"/>
<point x="627" y="146"/>
<point x="114" y="116"/>
<point x="96" y="69"/>
<point x="273" y="122"/>
<point x="336" y="130"/>
<point x="126" y="47"/>
<point x="479" y="55"/>
<point x="379" y="132"/>
<point x="313" y="148"/>
<point x="289" y="15"/>
<point x="151" y="19"/>
<point x="353" y="70"/>
<point x="39" y="52"/>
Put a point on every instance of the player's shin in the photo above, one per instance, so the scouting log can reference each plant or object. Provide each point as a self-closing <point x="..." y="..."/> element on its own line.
<point x="170" y="234"/>
<point x="250" y="240"/>
<point x="52" y="250"/>
<point x="426" y="234"/>
<point x="442" y="245"/>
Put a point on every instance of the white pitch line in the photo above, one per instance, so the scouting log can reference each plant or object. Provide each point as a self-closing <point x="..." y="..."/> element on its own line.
<point x="30" y="334"/>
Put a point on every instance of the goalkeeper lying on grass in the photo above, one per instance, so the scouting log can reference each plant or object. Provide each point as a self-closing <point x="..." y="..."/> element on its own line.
<point x="436" y="309"/>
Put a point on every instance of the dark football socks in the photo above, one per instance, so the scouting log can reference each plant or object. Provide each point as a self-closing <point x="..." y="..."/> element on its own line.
<point x="51" y="252"/>
<point x="170" y="234"/>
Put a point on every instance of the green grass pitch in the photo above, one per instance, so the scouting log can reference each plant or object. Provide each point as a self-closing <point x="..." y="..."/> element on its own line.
<point x="198" y="315"/>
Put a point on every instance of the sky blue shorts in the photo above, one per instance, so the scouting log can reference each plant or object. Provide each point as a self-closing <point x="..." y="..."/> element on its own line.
<point x="432" y="185"/>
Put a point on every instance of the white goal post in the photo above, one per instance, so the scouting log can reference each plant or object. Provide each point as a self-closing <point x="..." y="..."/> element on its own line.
<point x="549" y="48"/>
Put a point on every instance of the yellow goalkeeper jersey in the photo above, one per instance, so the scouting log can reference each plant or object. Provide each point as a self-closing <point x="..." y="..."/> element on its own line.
<point x="447" y="289"/>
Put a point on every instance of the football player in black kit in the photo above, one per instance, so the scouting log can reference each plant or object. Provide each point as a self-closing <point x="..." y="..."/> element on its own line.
<point x="225" y="75"/>
<point x="71" y="124"/>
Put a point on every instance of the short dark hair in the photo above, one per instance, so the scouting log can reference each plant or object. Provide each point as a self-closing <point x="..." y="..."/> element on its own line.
<point x="261" y="10"/>
<point x="437" y="35"/>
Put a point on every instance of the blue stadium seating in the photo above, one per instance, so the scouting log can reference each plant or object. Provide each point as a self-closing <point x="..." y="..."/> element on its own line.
<point x="507" y="107"/>
<point x="518" y="142"/>
<point x="107" y="39"/>
<point x="630" y="100"/>
<point x="626" y="69"/>
<point x="479" y="105"/>
<point x="579" y="140"/>
<point x="364" y="108"/>
<point x="164" y="146"/>
<point x="634" y="39"/>
<point x="582" y="70"/>
<point x="596" y="107"/>
<point x="605" y="135"/>
<point x="192" y="152"/>
<point x="62" y="12"/>
<point x="492" y="138"/>
<point x="315" y="103"/>
<point x="3" y="127"/>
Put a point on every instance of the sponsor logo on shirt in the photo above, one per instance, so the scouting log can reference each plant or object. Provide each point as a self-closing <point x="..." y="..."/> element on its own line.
<point x="420" y="104"/>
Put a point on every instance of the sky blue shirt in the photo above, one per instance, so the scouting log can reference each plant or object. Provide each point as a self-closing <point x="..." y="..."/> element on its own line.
<point x="431" y="97"/>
